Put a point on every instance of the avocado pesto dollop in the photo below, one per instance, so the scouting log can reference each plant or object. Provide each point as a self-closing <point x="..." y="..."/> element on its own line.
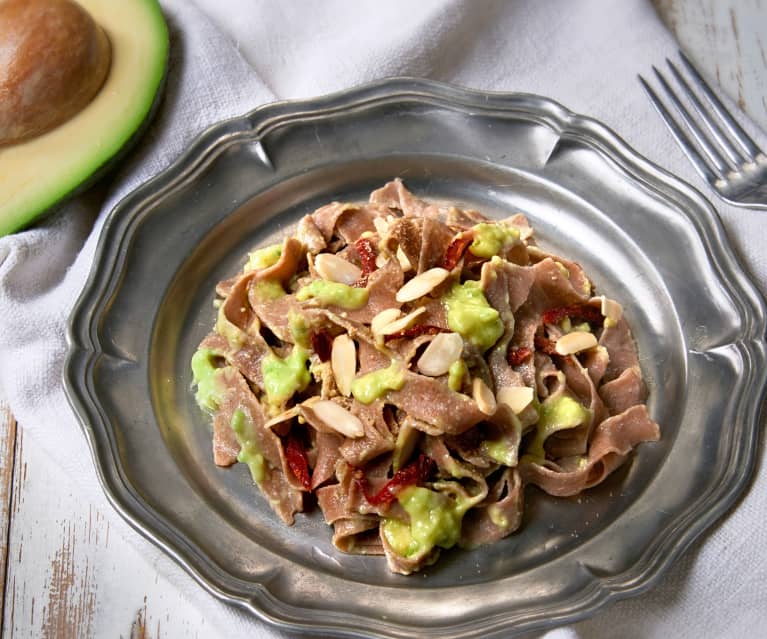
<point x="249" y="452"/>
<point x="284" y="377"/>
<point x="334" y="294"/>
<point x="267" y="290"/>
<point x="205" y="376"/>
<point x="264" y="257"/>
<point x="556" y="413"/>
<point x="456" y="374"/>
<point x="435" y="520"/>
<point x="470" y="315"/>
<point x="491" y="238"/>
<point x="370" y="387"/>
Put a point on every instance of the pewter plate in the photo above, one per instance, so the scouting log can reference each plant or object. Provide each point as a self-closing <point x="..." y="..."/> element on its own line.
<point x="645" y="237"/>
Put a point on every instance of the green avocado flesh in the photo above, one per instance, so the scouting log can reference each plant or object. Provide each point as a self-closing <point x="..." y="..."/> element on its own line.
<point x="38" y="173"/>
<point x="435" y="520"/>
<point x="470" y="315"/>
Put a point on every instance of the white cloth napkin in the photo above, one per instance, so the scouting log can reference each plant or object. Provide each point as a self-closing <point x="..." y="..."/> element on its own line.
<point x="228" y="56"/>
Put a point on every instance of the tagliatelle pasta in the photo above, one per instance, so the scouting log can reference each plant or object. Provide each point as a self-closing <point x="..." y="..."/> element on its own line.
<point x="410" y="368"/>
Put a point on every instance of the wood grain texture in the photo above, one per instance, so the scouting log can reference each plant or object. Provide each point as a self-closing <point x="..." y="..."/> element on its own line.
<point x="727" y="39"/>
<point x="69" y="576"/>
<point x="7" y="454"/>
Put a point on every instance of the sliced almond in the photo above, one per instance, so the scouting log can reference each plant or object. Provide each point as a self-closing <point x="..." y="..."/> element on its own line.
<point x="403" y="322"/>
<point x="289" y="414"/>
<point x="403" y="261"/>
<point x="336" y="269"/>
<point x="382" y="226"/>
<point x="338" y="418"/>
<point x="441" y="352"/>
<point x="525" y="232"/>
<point x="386" y="316"/>
<point x="343" y="361"/>
<point x="611" y="310"/>
<point x="575" y="342"/>
<point x="483" y="396"/>
<point x="517" y="398"/>
<point x="422" y="284"/>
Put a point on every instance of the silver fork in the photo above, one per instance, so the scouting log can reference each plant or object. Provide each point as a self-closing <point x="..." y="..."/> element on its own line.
<point x="731" y="162"/>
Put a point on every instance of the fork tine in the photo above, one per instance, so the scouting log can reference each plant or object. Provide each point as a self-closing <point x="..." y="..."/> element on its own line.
<point x="749" y="146"/>
<point x="734" y="156"/>
<point x="708" y="148"/>
<point x="706" y="171"/>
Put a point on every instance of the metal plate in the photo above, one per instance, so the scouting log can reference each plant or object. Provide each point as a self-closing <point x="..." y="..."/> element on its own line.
<point x="643" y="236"/>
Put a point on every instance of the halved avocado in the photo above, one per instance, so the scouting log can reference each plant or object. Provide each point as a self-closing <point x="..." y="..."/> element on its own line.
<point x="38" y="172"/>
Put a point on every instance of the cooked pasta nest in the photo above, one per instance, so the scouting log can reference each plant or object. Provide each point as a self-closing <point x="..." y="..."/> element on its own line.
<point x="409" y="368"/>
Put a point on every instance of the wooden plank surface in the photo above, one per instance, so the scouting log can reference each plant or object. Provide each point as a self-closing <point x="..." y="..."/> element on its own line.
<point x="67" y="575"/>
<point x="728" y="40"/>
<point x="7" y="455"/>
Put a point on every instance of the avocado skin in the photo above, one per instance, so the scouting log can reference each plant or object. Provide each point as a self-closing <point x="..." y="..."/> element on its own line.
<point x="13" y="220"/>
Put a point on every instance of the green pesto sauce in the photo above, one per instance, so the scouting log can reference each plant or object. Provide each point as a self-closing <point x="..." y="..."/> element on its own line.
<point x="267" y="290"/>
<point x="435" y="520"/>
<point x="263" y="258"/>
<point x="205" y="376"/>
<point x="497" y="517"/>
<point x="232" y="333"/>
<point x="284" y="377"/>
<point x="455" y="375"/>
<point x="501" y="451"/>
<point x="334" y="294"/>
<point x="249" y="452"/>
<point x="469" y="314"/>
<point x="490" y="239"/>
<point x="370" y="387"/>
<point x="299" y="329"/>
<point x="556" y="414"/>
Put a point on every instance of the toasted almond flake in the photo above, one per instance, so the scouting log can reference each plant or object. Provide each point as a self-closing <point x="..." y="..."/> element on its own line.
<point x="441" y="352"/>
<point x="382" y="226"/>
<point x="525" y="232"/>
<point x="336" y="269"/>
<point x="575" y="342"/>
<point x="403" y="261"/>
<point x="516" y="397"/>
<point x="289" y="414"/>
<point x="403" y="322"/>
<point x="483" y="396"/>
<point x="611" y="310"/>
<point x="422" y="284"/>
<point x="386" y="316"/>
<point x="343" y="362"/>
<point x="338" y="418"/>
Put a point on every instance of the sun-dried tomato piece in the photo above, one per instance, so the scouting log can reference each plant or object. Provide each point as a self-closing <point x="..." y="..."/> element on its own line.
<point x="295" y="454"/>
<point x="415" y="331"/>
<point x="518" y="355"/>
<point x="415" y="473"/>
<point x="322" y="344"/>
<point x="545" y="345"/>
<point x="578" y="312"/>
<point x="367" y="253"/>
<point x="455" y="251"/>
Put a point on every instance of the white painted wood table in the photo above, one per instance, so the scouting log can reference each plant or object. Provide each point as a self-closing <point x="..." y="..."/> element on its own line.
<point x="66" y="575"/>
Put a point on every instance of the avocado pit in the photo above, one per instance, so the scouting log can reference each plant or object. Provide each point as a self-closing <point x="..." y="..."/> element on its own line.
<point x="54" y="60"/>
